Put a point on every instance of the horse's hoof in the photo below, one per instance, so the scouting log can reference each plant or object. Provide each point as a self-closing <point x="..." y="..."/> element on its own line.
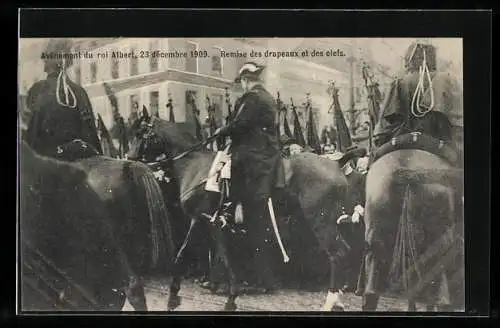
<point x="214" y="288"/>
<point x="230" y="306"/>
<point x="338" y="308"/>
<point x="174" y="301"/>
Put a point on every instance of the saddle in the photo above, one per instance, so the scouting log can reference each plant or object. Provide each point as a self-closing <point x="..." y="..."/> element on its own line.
<point x="75" y="150"/>
<point x="417" y="140"/>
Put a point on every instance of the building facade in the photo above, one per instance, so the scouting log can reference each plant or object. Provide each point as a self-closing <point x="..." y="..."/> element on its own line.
<point x="150" y="80"/>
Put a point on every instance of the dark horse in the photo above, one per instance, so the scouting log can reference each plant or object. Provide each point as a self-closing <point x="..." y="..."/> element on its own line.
<point x="137" y="213"/>
<point x="71" y="259"/>
<point x="318" y="187"/>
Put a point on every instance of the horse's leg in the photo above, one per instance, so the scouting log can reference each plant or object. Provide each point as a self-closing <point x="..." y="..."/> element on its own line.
<point x="179" y="267"/>
<point x="336" y="250"/>
<point x="222" y="250"/>
<point x="412" y="305"/>
<point x="370" y="299"/>
<point x="135" y="293"/>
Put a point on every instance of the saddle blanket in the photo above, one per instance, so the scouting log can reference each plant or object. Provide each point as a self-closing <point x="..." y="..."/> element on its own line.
<point x="221" y="169"/>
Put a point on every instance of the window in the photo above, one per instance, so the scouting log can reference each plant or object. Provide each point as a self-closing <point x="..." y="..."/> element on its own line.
<point x="191" y="62"/>
<point x="134" y="101"/>
<point x="115" y="68"/>
<point x="190" y="95"/>
<point x="217" y="61"/>
<point x="93" y="72"/>
<point x="217" y="101"/>
<point x="153" y="60"/>
<point x="154" y="99"/>
<point x="134" y="67"/>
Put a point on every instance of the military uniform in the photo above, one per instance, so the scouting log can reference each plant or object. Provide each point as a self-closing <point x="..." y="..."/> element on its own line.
<point x="255" y="155"/>
<point x="396" y="117"/>
<point x="56" y="120"/>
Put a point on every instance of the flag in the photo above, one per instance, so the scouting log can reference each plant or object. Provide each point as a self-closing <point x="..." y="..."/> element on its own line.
<point x="344" y="140"/>
<point x="144" y="111"/>
<point x="312" y="134"/>
<point x="107" y="145"/>
<point x="298" y="135"/>
<point x="121" y="129"/>
<point x="171" y="116"/>
<point x="286" y="127"/>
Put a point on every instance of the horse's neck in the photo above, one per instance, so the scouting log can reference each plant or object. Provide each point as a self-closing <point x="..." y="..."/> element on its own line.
<point x="193" y="168"/>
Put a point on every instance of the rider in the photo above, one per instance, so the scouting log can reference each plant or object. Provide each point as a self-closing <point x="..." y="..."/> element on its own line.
<point x="255" y="154"/>
<point x="62" y="111"/>
<point x="415" y="105"/>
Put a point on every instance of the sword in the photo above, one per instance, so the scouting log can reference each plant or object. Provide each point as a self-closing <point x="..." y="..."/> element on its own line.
<point x="276" y="232"/>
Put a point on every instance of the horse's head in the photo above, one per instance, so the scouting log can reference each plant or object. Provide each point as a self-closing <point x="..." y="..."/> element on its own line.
<point x="155" y="137"/>
<point x="147" y="144"/>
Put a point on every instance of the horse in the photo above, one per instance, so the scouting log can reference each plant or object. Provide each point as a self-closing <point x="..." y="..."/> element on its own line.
<point x="71" y="258"/>
<point x="138" y="213"/>
<point x="317" y="187"/>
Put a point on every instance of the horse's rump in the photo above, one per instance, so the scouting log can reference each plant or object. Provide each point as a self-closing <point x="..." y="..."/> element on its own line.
<point x="411" y="212"/>
<point x="317" y="182"/>
<point x="137" y="206"/>
<point x="63" y="219"/>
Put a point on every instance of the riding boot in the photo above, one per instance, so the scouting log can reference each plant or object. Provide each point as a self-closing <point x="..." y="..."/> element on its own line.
<point x="260" y="241"/>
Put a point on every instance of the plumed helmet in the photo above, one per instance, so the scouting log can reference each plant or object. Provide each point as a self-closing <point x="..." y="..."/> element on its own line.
<point x="249" y="69"/>
<point x="58" y="47"/>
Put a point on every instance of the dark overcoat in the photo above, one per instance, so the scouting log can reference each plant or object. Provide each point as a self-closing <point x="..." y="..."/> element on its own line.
<point x="255" y="151"/>
<point x="52" y="124"/>
<point x="395" y="117"/>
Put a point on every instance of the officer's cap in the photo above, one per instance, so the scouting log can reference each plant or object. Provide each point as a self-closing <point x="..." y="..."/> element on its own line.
<point x="249" y="69"/>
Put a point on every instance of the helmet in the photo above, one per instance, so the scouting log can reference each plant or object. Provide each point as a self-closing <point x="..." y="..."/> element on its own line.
<point x="58" y="47"/>
<point x="249" y="69"/>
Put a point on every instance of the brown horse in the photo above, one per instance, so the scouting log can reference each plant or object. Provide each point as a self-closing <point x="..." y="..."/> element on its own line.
<point x="318" y="187"/>
<point x="71" y="259"/>
<point x="412" y="219"/>
<point x="137" y="214"/>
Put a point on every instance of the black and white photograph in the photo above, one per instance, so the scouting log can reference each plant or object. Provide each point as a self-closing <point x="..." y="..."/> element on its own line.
<point x="241" y="174"/>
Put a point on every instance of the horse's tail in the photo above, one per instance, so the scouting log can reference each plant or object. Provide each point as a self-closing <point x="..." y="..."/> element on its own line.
<point x="450" y="176"/>
<point x="160" y="230"/>
<point x="413" y="268"/>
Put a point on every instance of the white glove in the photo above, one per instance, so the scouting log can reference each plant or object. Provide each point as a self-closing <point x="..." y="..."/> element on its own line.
<point x="160" y="174"/>
<point x="358" y="212"/>
<point x="355" y="217"/>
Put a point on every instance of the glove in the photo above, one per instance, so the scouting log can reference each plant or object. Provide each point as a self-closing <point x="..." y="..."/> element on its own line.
<point x="358" y="212"/>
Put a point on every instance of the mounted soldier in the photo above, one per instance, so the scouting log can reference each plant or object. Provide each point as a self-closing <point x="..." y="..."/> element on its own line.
<point x="416" y="165"/>
<point x="62" y="111"/>
<point x="422" y="100"/>
<point x="255" y="155"/>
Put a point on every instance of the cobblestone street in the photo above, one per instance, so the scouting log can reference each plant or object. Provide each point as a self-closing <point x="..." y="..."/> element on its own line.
<point x="195" y="298"/>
